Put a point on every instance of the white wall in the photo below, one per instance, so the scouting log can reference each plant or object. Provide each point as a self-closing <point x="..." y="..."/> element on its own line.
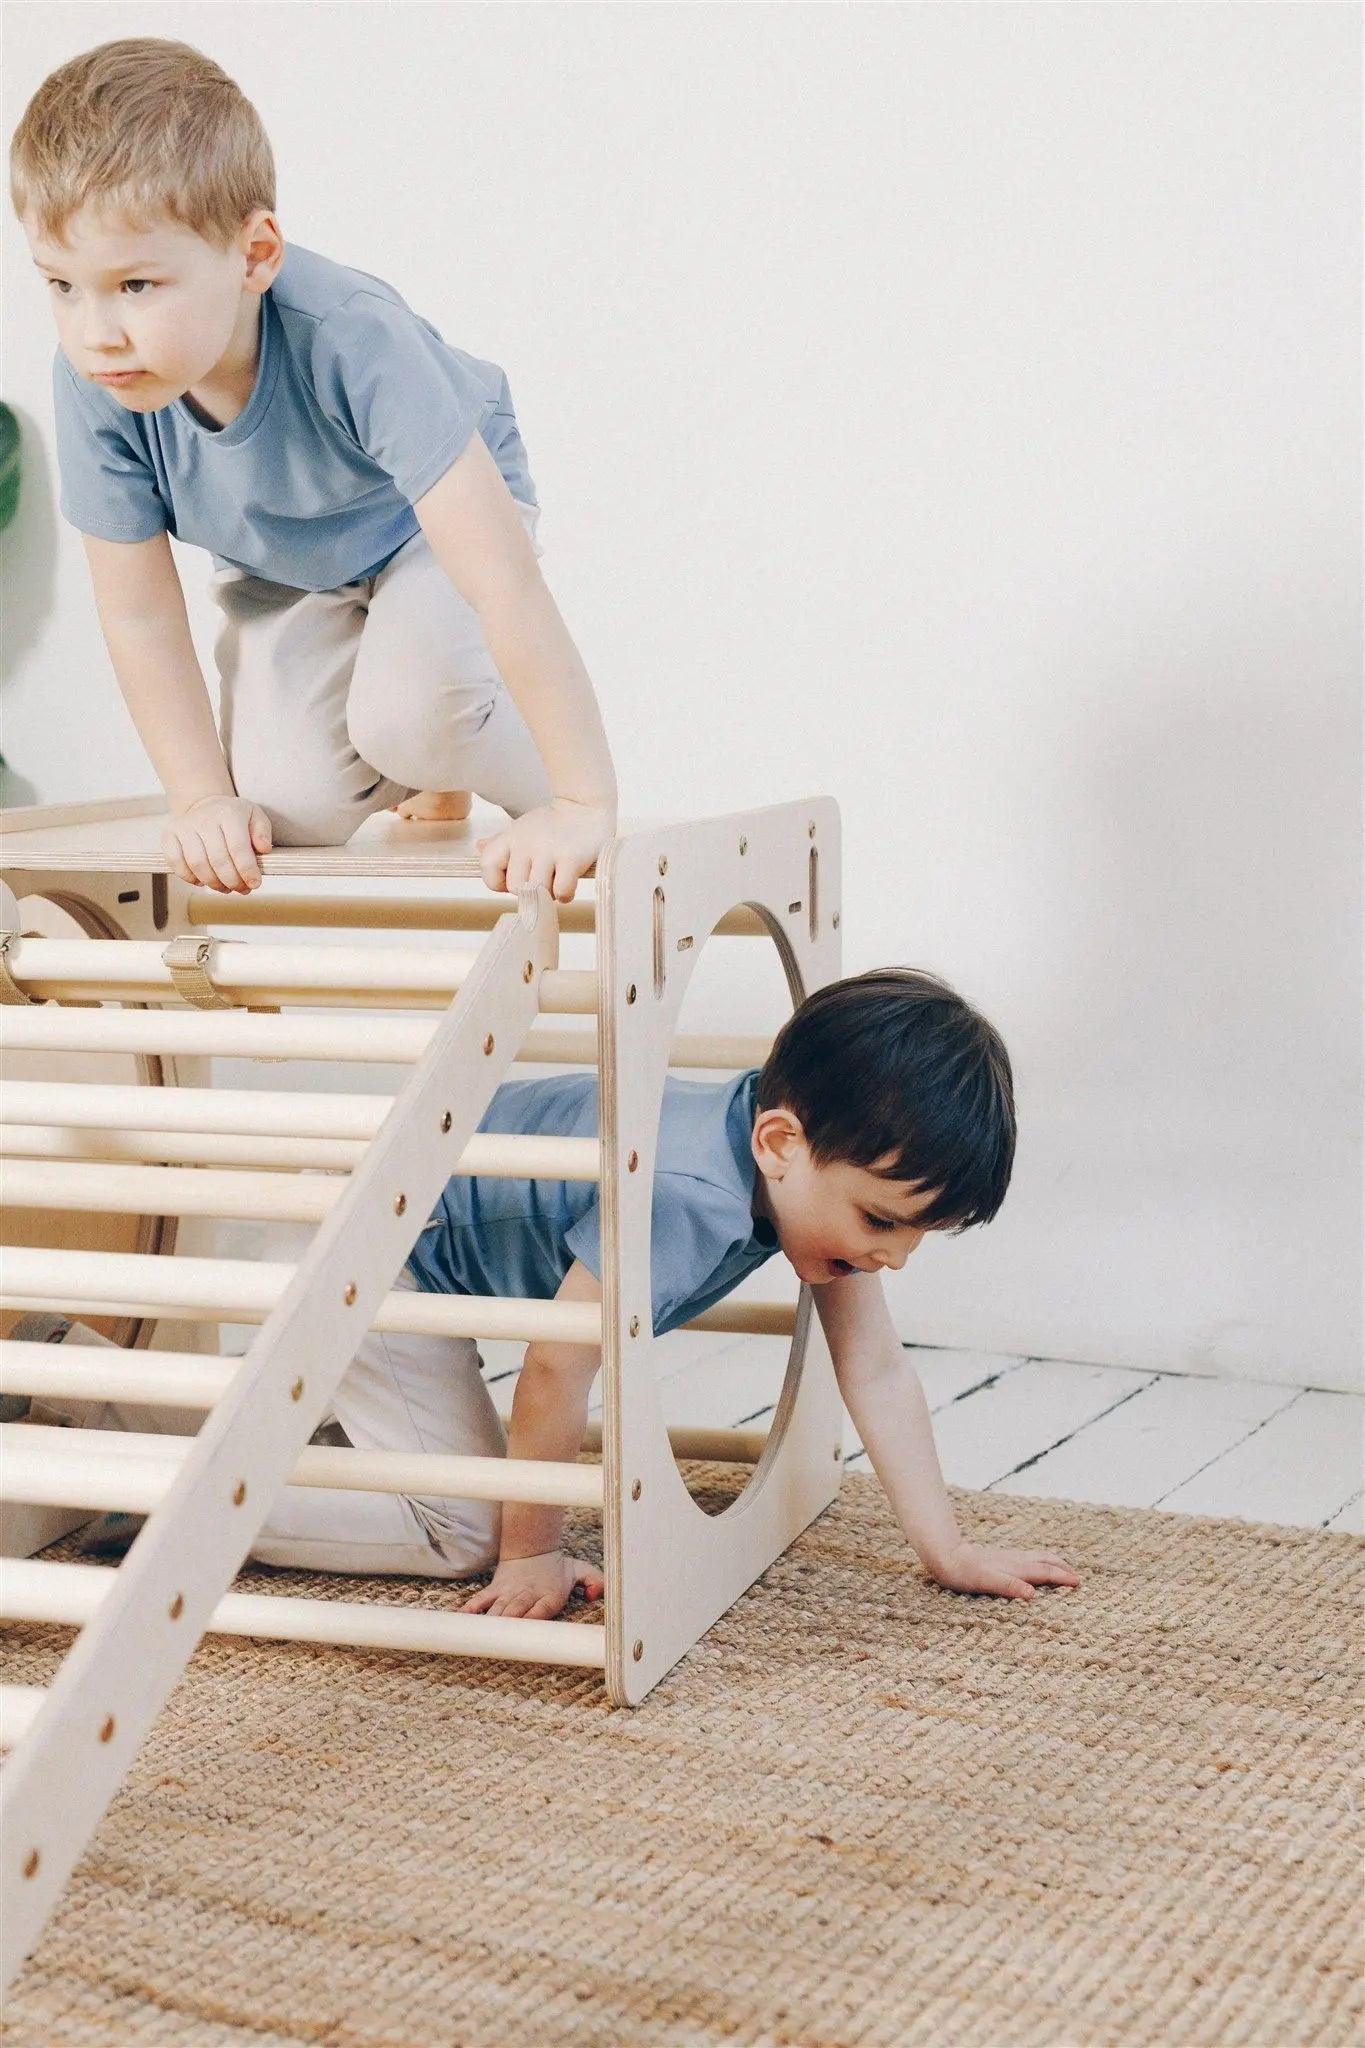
<point x="955" y="409"/>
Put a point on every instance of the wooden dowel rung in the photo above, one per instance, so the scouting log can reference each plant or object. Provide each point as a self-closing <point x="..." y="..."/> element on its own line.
<point x="225" y="1034"/>
<point x="34" y="1454"/>
<point x="280" y="1112"/>
<point x="409" y="913"/>
<point x="749" y="1319"/>
<point x="713" y="1446"/>
<point x="244" y="1290"/>
<point x="133" y="970"/>
<point x="180" y="1148"/>
<point x="252" y="1112"/>
<point x="97" y="1372"/>
<point x="69" y="1595"/>
<point x="19" y="1706"/>
<point x="186" y="1191"/>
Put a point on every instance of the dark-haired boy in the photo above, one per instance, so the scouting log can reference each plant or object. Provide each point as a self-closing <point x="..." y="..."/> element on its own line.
<point x="884" y="1111"/>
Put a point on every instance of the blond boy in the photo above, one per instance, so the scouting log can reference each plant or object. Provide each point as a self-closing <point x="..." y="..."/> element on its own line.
<point x="387" y="639"/>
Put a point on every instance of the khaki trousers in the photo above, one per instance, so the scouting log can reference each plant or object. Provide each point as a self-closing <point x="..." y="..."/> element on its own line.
<point x="337" y="703"/>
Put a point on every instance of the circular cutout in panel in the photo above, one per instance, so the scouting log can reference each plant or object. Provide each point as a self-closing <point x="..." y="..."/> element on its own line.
<point x="719" y="1390"/>
<point x="63" y="916"/>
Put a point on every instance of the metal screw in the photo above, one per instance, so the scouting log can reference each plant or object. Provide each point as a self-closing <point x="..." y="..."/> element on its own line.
<point x="349" y="1293"/>
<point x="177" y="1607"/>
<point x="663" y="863"/>
<point x="633" y="1162"/>
<point x="527" y="971"/>
<point x="636" y="1490"/>
<point x="31" y="1863"/>
<point x="635" y="1326"/>
<point x="400" y="1203"/>
<point x="743" y="845"/>
<point x="296" y="1391"/>
<point x="630" y="993"/>
<point x="239" y="1493"/>
<point x="445" y="1120"/>
<point x="637" y="1650"/>
<point x="810" y="831"/>
<point x="835" y="920"/>
<point x="107" y="1731"/>
<point x="488" y="1043"/>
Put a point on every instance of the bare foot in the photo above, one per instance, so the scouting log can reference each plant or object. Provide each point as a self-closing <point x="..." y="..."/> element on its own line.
<point x="425" y="806"/>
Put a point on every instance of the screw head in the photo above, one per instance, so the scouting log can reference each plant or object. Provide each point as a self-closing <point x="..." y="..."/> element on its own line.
<point x="743" y="845"/>
<point x="663" y="863"/>
<point x="635" y="1326"/>
<point x="296" y="1391"/>
<point x="632" y="1162"/>
<point x="637" y="1649"/>
<point x="835" y="920"/>
<point x="107" y="1730"/>
<point x="527" y="971"/>
<point x="177" y="1607"/>
<point x="488" y="1043"/>
<point x="400" y="1203"/>
<point x="445" y="1120"/>
<point x="239" y="1493"/>
<point x="810" y="830"/>
<point x="630" y="993"/>
<point x="348" y="1293"/>
<point x="31" y="1862"/>
<point x="636" y="1490"/>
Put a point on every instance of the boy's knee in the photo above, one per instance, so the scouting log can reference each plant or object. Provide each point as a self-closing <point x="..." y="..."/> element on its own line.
<point x="422" y="754"/>
<point x="465" y="1532"/>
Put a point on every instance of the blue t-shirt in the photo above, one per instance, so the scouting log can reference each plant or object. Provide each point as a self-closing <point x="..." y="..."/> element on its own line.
<point x="358" y="408"/>
<point x="520" y="1237"/>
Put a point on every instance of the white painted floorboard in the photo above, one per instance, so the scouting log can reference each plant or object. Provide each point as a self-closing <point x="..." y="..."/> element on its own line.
<point x="1303" y="1465"/>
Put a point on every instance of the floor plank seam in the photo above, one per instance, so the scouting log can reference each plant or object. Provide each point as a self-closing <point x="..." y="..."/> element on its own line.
<point x="1295" y="1397"/>
<point x="1079" y="1430"/>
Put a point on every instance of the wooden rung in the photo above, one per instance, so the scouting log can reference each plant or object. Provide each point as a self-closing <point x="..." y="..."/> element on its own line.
<point x="69" y="1595"/>
<point x="196" y="1379"/>
<point x="252" y="1112"/>
<point x="410" y="913"/>
<point x="226" y="1034"/>
<point x="713" y="1446"/>
<point x="245" y="1290"/>
<point x="64" y="1463"/>
<point x="277" y="1112"/>
<point x="749" y="1319"/>
<point x="19" y="1705"/>
<point x="394" y="976"/>
<point x="96" y="1372"/>
<point x="175" y="1191"/>
<point x="181" y="1148"/>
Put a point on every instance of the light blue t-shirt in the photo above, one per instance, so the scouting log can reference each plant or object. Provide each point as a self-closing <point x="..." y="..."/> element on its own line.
<point x="520" y="1237"/>
<point x="359" y="407"/>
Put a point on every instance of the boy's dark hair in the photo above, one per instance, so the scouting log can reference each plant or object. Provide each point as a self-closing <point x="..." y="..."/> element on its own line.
<point x="894" y="1062"/>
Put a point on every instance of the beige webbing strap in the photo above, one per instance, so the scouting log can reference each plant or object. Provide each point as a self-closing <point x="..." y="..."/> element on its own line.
<point x="10" y="991"/>
<point x="189" y="960"/>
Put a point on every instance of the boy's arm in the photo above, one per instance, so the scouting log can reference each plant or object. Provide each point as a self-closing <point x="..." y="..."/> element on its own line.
<point x="214" y="837"/>
<point x="882" y="1392"/>
<point x="549" y="1408"/>
<point x="476" y="534"/>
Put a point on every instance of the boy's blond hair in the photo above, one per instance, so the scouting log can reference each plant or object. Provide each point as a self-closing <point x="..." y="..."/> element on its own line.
<point x="148" y="130"/>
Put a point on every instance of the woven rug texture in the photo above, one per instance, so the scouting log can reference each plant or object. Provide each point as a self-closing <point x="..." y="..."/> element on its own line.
<point x="863" y="1813"/>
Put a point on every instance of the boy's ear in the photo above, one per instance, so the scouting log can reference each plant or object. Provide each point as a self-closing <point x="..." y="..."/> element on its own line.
<point x="777" y="1135"/>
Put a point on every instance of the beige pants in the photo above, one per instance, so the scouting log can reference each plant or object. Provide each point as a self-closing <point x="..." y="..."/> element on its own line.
<point x="338" y="703"/>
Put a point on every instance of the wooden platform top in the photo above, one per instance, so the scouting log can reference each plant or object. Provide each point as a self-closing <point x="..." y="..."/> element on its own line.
<point x="124" y="835"/>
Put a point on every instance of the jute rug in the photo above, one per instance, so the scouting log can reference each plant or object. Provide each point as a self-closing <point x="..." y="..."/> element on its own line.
<point x="863" y="1811"/>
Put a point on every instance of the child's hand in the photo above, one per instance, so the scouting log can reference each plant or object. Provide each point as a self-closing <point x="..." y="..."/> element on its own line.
<point x="216" y="841"/>
<point x="538" y="1588"/>
<point x="554" y="845"/>
<point x="977" y="1568"/>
